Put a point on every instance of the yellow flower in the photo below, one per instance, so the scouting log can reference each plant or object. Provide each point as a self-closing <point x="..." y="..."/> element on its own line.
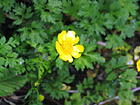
<point x="138" y="65"/>
<point x="41" y="97"/>
<point x="36" y="83"/>
<point x="66" y="47"/>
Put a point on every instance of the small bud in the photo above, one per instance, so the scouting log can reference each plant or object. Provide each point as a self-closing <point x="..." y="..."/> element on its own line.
<point x="104" y="59"/>
<point x="36" y="83"/>
<point x="122" y="4"/>
<point x="130" y="18"/>
<point x="123" y="47"/>
<point x="41" y="97"/>
<point x="130" y="80"/>
<point x="119" y="48"/>
<point x="120" y="76"/>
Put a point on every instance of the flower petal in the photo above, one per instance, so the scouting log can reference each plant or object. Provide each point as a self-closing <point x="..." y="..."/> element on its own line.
<point x="79" y="48"/>
<point x="59" y="48"/>
<point x="138" y="65"/>
<point x="76" y="50"/>
<point x="76" y="54"/>
<point x="70" y="59"/>
<point x="71" y="35"/>
<point x="62" y="37"/>
<point x="76" y="40"/>
<point x="66" y="57"/>
<point x="62" y="55"/>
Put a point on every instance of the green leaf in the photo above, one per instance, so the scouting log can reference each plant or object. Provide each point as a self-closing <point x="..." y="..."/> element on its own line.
<point x="7" y="5"/>
<point x="50" y="12"/>
<point x="76" y="99"/>
<point x="35" y="33"/>
<point x="53" y="85"/>
<point x="2" y="17"/>
<point x="59" y="63"/>
<point x="82" y="62"/>
<point x="113" y="41"/>
<point x="131" y="6"/>
<point x="118" y="63"/>
<point x="89" y="46"/>
<point x="2" y="40"/>
<point x="128" y="31"/>
<point x="88" y="82"/>
<point x="96" y="57"/>
<point x="125" y="102"/>
<point x="111" y="76"/>
<point x="52" y="49"/>
<point x="11" y="82"/>
<point x="2" y="60"/>
<point x="127" y="81"/>
<point x="71" y="7"/>
<point x="126" y="95"/>
<point x="128" y="76"/>
<point x="19" y="13"/>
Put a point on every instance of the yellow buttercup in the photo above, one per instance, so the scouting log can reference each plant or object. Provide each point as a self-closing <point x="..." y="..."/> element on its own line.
<point x="66" y="47"/>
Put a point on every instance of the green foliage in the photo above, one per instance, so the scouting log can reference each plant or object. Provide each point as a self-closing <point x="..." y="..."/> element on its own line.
<point x="75" y="100"/>
<point x="128" y="81"/>
<point x="88" y="57"/>
<point x="34" y="33"/>
<point x="126" y="78"/>
<point x="8" y="56"/>
<point x="53" y="85"/>
<point x="51" y="49"/>
<point x="19" y="13"/>
<point x="87" y="83"/>
<point x="114" y="41"/>
<point x="11" y="83"/>
<point x="9" y="59"/>
<point x="83" y="62"/>
<point x="28" y="33"/>
<point x="49" y="12"/>
<point x="2" y="17"/>
<point x="7" y="5"/>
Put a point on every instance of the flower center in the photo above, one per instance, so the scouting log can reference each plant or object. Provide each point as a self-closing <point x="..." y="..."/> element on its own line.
<point x="67" y="47"/>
